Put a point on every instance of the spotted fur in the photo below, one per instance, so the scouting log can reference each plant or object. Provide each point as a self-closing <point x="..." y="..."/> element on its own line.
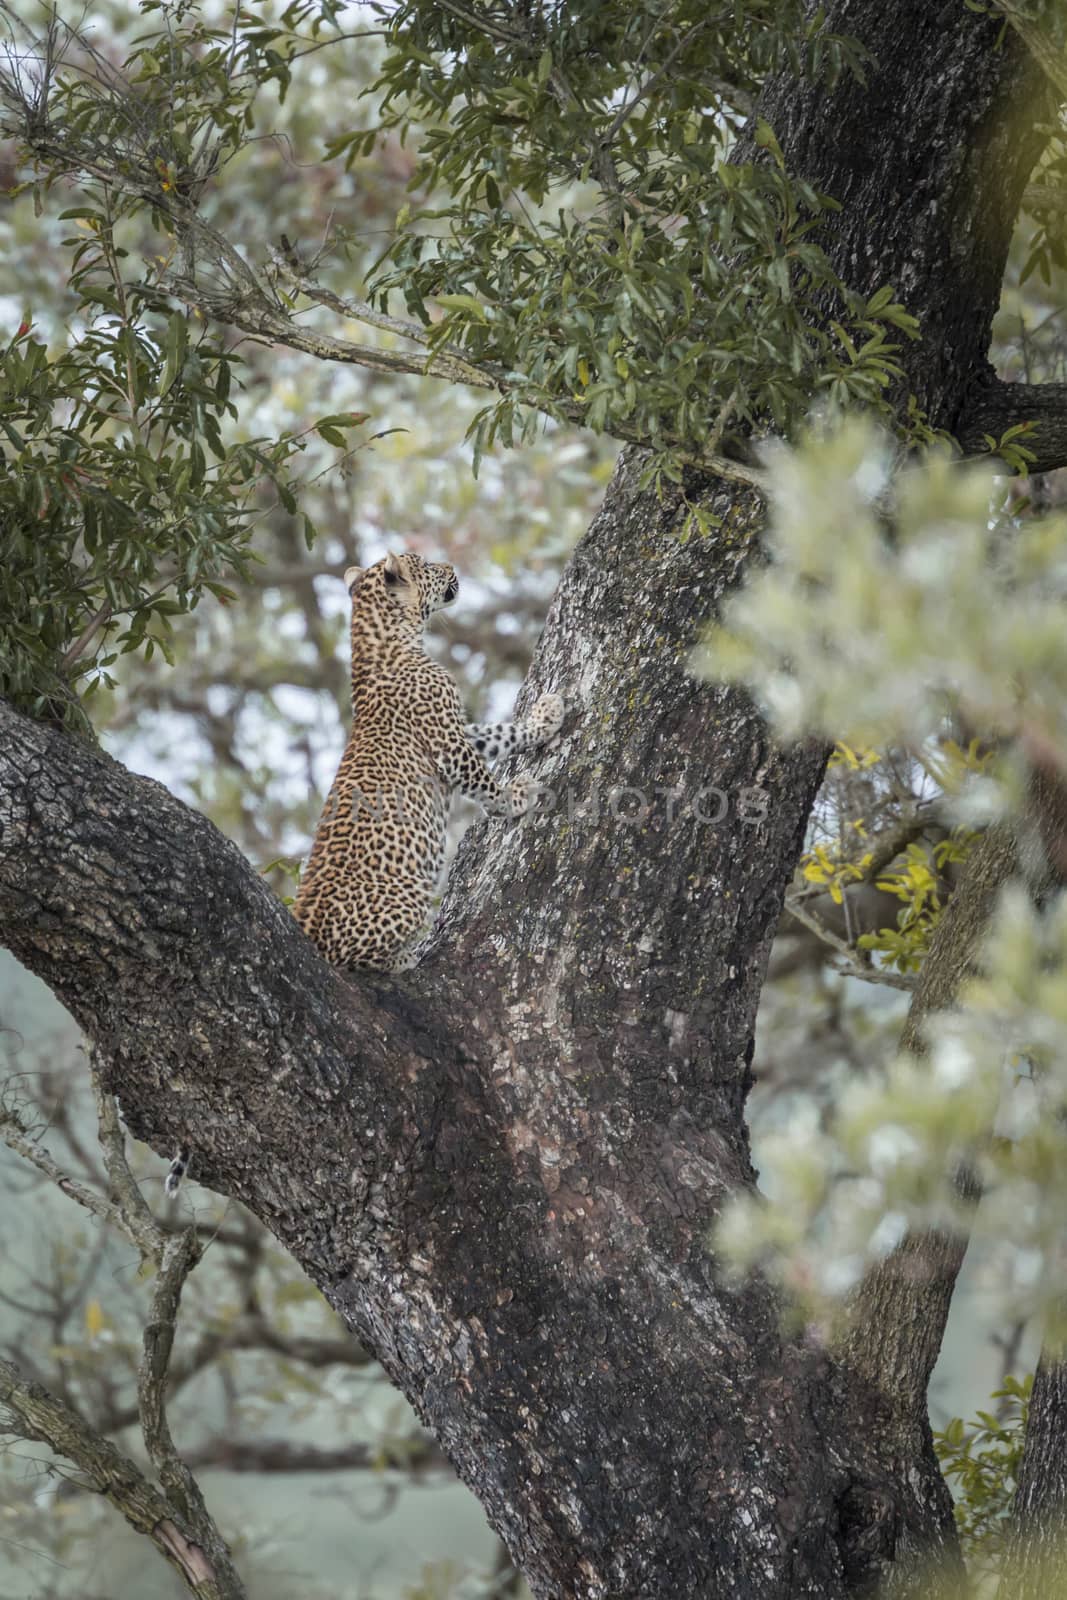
<point x="378" y="852"/>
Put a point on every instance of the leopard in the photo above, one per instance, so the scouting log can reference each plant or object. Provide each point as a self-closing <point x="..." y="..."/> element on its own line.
<point x="377" y="857"/>
<point x="378" y="853"/>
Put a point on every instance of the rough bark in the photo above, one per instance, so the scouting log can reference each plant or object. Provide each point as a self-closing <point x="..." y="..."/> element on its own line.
<point x="503" y="1170"/>
<point x="1039" y="1533"/>
<point x="1039" y="1521"/>
<point x="929" y="160"/>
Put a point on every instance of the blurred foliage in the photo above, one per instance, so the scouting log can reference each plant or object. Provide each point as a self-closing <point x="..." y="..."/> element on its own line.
<point x="890" y="608"/>
<point x="890" y="599"/>
<point x="986" y="1099"/>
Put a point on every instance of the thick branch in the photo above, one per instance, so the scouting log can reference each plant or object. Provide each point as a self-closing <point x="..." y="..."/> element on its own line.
<point x="141" y="915"/>
<point x="417" y="1457"/>
<point x="994" y="408"/>
<point x="899" y="1314"/>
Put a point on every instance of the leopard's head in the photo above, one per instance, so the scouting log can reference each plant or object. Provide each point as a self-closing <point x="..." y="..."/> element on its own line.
<point x="408" y="588"/>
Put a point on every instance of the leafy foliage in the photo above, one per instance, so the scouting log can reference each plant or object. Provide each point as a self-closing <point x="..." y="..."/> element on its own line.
<point x="599" y="239"/>
<point x="587" y="233"/>
<point x="123" y="503"/>
<point x="917" y="884"/>
<point x="981" y="1460"/>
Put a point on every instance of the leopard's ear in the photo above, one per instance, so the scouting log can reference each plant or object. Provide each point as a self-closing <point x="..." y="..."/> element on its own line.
<point x="394" y="571"/>
<point x="352" y="577"/>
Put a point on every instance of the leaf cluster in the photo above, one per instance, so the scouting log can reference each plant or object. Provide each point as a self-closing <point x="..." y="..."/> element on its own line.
<point x="917" y="883"/>
<point x="127" y="494"/>
<point x="981" y="1460"/>
<point x="590" y="228"/>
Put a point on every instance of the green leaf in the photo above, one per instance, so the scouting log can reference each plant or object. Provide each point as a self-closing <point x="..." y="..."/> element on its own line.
<point x="463" y="302"/>
<point x="174" y="348"/>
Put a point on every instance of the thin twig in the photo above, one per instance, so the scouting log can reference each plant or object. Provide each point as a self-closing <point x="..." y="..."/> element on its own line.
<point x="17" y="1137"/>
<point x="654" y="78"/>
<point x="138" y="1222"/>
<point x="853" y="968"/>
<point x="99" y="620"/>
<point x="289" y="267"/>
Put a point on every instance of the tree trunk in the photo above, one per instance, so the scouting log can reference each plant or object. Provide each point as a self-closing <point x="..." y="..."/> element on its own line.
<point x="503" y="1169"/>
<point x="1039" y="1523"/>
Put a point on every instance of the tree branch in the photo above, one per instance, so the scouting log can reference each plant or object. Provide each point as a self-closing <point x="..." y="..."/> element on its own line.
<point x="242" y="300"/>
<point x="889" y="1341"/>
<point x="852" y="965"/>
<point x="248" y="1333"/>
<point x="1039" y="1515"/>
<point x="417" y="1456"/>
<point x="997" y="406"/>
<point x="180" y="1256"/>
<point x="240" y="305"/>
<point x="139" y="1223"/>
<point x="36" y="1414"/>
<point x="17" y="1136"/>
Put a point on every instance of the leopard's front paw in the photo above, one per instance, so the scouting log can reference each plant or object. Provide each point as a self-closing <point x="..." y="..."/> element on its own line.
<point x="522" y="795"/>
<point x="547" y="715"/>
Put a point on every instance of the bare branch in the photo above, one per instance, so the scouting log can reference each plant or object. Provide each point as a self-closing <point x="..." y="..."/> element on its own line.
<point x="418" y="1456"/>
<point x="18" y="1137"/>
<point x="288" y="266"/>
<point x="249" y="1333"/>
<point x="37" y="1414"/>
<point x="180" y="1256"/>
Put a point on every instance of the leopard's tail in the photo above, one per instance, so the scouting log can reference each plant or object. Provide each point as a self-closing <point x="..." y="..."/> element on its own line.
<point x="178" y="1168"/>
